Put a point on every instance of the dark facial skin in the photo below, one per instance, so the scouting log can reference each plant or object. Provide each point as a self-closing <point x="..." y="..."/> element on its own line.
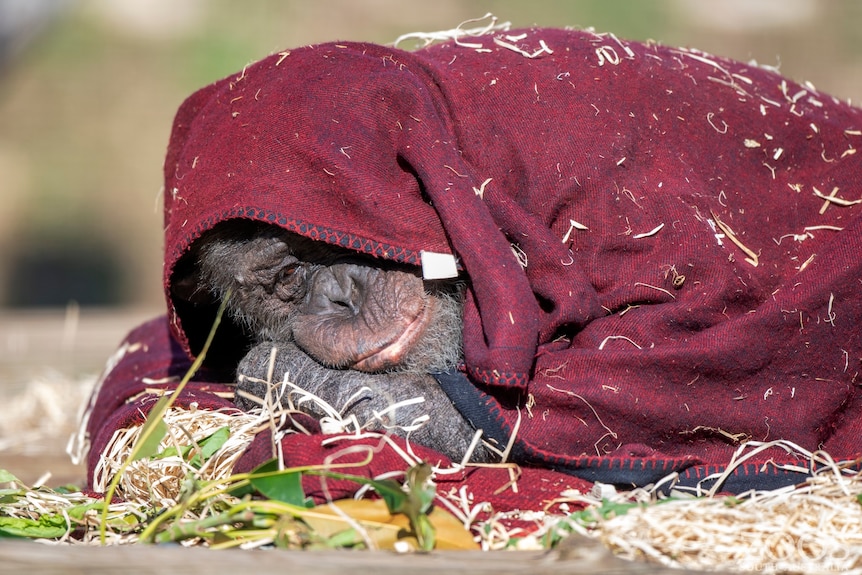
<point x="359" y="334"/>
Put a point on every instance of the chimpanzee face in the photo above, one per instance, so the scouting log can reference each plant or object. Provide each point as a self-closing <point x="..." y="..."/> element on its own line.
<point x="343" y="309"/>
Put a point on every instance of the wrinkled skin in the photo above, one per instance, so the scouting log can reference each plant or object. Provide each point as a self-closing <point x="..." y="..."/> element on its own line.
<point x="359" y="334"/>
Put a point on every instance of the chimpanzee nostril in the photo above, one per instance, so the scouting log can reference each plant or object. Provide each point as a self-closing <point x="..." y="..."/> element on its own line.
<point x="341" y="298"/>
<point x="334" y="289"/>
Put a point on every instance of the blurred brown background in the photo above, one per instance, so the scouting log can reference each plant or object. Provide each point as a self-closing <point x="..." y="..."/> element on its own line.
<point x="88" y="89"/>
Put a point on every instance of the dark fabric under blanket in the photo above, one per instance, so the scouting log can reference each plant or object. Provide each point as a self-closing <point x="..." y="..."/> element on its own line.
<point x="655" y="275"/>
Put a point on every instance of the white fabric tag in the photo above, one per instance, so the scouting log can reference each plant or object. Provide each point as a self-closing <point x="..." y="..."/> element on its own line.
<point x="436" y="266"/>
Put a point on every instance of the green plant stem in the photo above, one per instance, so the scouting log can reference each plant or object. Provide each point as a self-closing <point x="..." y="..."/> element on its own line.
<point x="191" y="529"/>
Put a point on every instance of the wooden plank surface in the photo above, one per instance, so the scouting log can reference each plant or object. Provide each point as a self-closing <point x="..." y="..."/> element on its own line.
<point x="575" y="556"/>
<point x="71" y="341"/>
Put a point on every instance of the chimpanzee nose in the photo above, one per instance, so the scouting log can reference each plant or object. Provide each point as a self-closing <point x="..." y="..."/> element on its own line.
<point x="335" y="289"/>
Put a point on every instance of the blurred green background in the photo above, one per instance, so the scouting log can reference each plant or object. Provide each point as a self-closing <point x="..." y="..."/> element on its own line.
<point x="87" y="97"/>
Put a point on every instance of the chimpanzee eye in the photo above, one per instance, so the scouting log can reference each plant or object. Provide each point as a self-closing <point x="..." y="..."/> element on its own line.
<point x="288" y="270"/>
<point x="293" y="273"/>
<point x="290" y="281"/>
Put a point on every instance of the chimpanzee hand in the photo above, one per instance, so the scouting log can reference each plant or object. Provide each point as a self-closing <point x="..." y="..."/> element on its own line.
<point x="372" y="398"/>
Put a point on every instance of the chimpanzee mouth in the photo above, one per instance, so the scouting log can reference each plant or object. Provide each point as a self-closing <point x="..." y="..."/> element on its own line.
<point x="392" y="353"/>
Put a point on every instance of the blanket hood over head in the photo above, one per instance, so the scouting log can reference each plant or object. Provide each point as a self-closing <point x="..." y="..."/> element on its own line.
<point x="662" y="246"/>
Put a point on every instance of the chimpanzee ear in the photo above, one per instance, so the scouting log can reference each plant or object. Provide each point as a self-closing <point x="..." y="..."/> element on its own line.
<point x="188" y="285"/>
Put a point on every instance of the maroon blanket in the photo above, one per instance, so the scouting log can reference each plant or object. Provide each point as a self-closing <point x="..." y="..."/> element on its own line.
<point x="663" y="246"/>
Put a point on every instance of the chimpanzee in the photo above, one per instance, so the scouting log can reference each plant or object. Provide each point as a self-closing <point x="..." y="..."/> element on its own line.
<point x="360" y="335"/>
<point x="655" y="254"/>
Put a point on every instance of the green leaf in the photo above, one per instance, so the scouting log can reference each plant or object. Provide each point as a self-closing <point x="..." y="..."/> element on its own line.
<point x="78" y="511"/>
<point x="208" y="447"/>
<point x="283" y="486"/>
<point x="172" y="451"/>
<point x="345" y="539"/>
<point x="211" y="444"/>
<point x="391" y="492"/>
<point x="425" y="533"/>
<point x="11" y="495"/>
<point x="46" y="527"/>
<point x="421" y="490"/>
<point x="67" y="489"/>
<point x="607" y="510"/>
<point x="152" y="433"/>
<point x="6" y="477"/>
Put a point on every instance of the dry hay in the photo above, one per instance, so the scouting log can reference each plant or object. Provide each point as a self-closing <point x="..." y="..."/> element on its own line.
<point x="46" y="409"/>
<point x="815" y="527"/>
<point x="160" y="480"/>
<point x="40" y="502"/>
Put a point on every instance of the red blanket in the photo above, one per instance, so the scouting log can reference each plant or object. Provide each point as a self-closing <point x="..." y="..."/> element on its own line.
<point x="663" y="246"/>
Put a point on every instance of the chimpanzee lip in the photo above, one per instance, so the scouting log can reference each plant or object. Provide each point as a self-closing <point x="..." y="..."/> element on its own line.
<point x="392" y="352"/>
